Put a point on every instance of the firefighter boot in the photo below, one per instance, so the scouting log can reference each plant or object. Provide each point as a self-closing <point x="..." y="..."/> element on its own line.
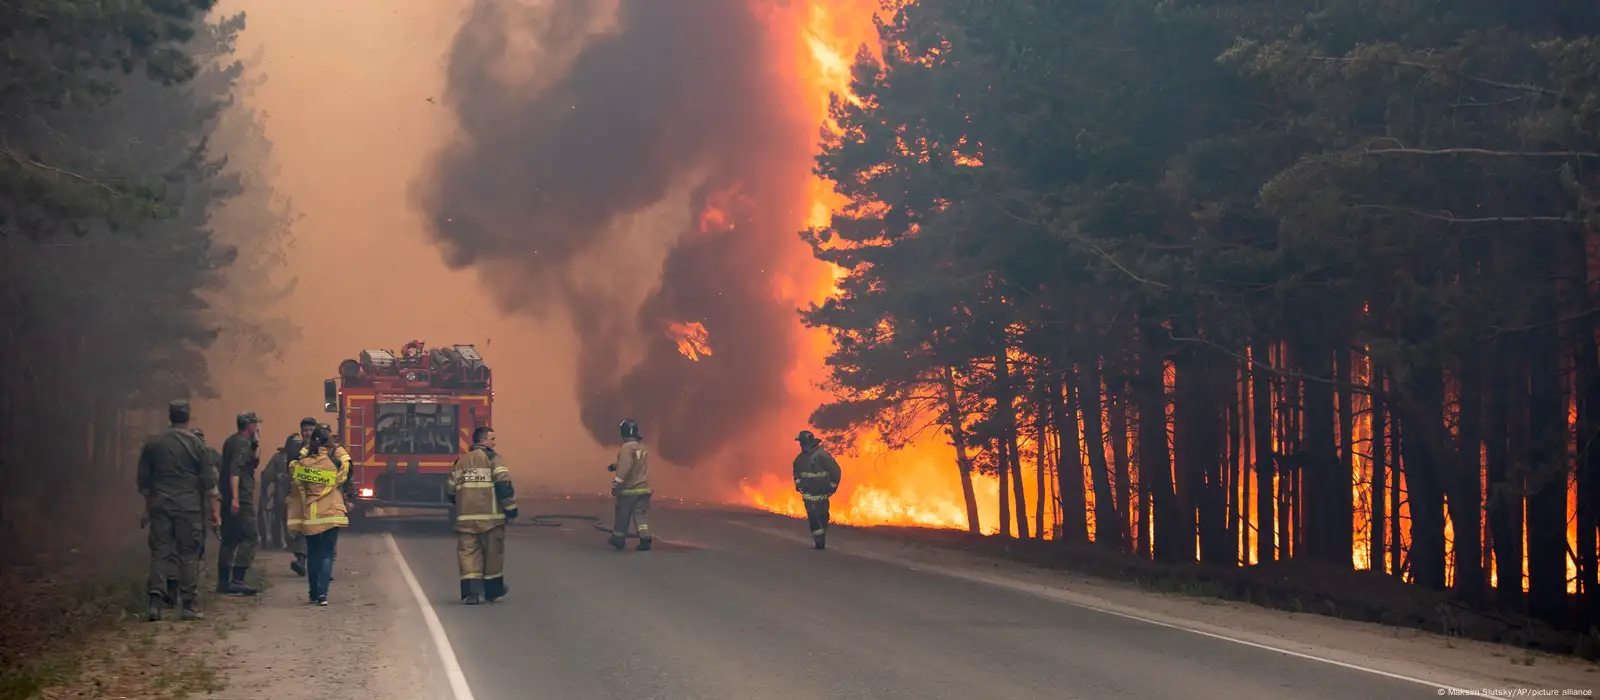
<point x="617" y="542"/>
<point x="645" y="543"/>
<point x="821" y="541"/>
<point x="153" y="614"/>
<point x="494" y="589"/>
<point x="474" y="594"/>
<point x="237" y="586"/>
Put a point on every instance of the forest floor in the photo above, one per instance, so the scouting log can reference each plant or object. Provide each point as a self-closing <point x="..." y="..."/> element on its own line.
<point x="80" y="632"/>
<point x="1369" y="614"/>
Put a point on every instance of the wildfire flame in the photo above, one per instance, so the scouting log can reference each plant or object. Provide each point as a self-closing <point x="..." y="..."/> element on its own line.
<point x="694" y="342"/>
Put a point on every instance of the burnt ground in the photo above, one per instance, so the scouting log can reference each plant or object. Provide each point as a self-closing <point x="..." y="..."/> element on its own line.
<point x="1295" y="586"/>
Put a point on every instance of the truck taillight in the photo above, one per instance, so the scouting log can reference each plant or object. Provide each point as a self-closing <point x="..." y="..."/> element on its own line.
<point x="366" y="493"/>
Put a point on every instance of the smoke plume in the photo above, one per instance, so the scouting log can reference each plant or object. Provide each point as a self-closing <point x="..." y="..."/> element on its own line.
<point x="577" y="117"/>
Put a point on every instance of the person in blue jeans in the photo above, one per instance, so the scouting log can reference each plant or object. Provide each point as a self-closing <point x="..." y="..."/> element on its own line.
<point x="317" y="508"/>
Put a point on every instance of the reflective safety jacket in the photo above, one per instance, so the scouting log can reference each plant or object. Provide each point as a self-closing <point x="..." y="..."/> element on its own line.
<point x="480" y="485"/>
<point x="316" y="501"/>
<point x="633" y="469"/>
<point x="816" y="474"/>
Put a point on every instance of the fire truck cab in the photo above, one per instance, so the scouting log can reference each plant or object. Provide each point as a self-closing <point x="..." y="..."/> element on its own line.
<point x="405" y="418"/>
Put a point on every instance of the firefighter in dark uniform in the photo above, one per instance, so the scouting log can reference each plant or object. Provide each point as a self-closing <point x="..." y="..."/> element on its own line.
<point x="631" y="487"/>
<point x="485" y="501"/>
<point x="816" y="477"/>
<point x="237" y="481"/>
<point x="180" y="494"/>
<point x="291" y="450"/>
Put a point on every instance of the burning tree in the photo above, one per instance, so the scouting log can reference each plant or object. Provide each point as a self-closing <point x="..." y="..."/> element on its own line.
<point x="1306" y="281"/>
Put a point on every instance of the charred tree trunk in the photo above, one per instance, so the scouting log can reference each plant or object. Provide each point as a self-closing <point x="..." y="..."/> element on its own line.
<point x="1587" y="379"/>
<point x="1319" y="456"/>
<point x="1198" y="450"/>
<point x="1002" y="464"/>
<point x="1041" y="428"/>
<point x="1169" y="541"/>
<point x="1547" y="475"/>
<point x="1380" y="472"/>
<point x="1108" y="528"/>
<point x="1424" y="475"/>
<point x="1261" y="401"/>
<point x="1006" y="405"/>
<point x="1342" y="520"/>
<point x="1506" y="447"/>
<point x="1465" y="495"/>
<point x="958" y="438"/>
<point x="1069" y="469"/>
<point x="1397" y="550"/>
<point x="1119" y="454"/>
<point x="1235" y="453"/>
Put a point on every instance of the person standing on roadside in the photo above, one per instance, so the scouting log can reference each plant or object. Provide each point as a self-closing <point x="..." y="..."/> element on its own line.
<point x="317" y="510"/>
<point x="180" y="495"/>
<point x="485" y="501"/>
<point x="631" y="487"/>
<point x="237" y="480"/>
<point x="816" y="477"/>
<point x="291" y="451"/>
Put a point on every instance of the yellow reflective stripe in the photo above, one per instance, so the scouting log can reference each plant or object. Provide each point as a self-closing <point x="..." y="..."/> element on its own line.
<point x="494" y="576"/>
<point x="501" y="470"/>
<point x="635" y="492"/>
<point x="814" y="497"/>
<point x="476" y="485"/>
<point x="471" y="577"/>
<point x="490" y="516"/>
<point x="321" y="477"/>
<point x="813" y="475"/>
<point x="336" y="520"/>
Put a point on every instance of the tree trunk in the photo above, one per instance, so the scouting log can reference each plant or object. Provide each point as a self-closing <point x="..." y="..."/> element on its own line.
<point x="1119" y="453"/>
<point x="1069" y="470"/>
<point x="1169" y="541"/>
<point x="1341" y="503"/>
<point x="1107" y="524"/>
<point x="1376" y="551"/>
<point x="1198" y="433"/>
<point x="1261" y="399"/>
<point x="1006" y="404"/>
<point x="1041" y="428"/>
<point x="1002" y="465"/>
<point x="1319" y="457"/>
<point x="958" y="438"/>
<point x="1424" y="483"/>
<point x="1467" y="486"/>
<point x="1547" y="475"/>
<point x="1587" y="380"/>
<point x="1235" y="451"/>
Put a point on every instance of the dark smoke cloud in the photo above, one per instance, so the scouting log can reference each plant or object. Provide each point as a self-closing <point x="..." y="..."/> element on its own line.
<point x="543" y="171"/>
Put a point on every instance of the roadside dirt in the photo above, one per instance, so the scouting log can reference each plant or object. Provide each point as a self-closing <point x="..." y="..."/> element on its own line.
<point x="1464" y="663"/>
<point x="369" y="642"/>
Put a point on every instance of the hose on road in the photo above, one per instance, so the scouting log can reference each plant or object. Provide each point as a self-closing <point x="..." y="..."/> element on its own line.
<point x="554" y="520"/>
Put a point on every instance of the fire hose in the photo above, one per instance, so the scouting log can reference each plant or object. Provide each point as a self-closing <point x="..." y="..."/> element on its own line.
<point x="554" y="520"/>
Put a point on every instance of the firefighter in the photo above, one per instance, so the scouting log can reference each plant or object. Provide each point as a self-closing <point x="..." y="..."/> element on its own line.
<point x="339" y="455"/>
<point x="237" y="480"/>
<point x="269" y="502"/>
<point x="816" y="477"/>
<point x="291" y="450"/>
<point x="180" y="495"/>
<point x="485" y="500"/>
<point x="317" y="510"/>
<point x="631" y="487"/>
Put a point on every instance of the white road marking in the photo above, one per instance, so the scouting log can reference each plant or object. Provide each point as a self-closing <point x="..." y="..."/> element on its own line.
<point x="441" y="641"/>
<point x="1061" y="597"/>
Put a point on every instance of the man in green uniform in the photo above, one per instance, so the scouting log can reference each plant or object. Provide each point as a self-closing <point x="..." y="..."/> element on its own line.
<point x="631" y="486"/>
<point x="180" y="495"/>
<point x="816" y="477"/>
<point x="237" y="481"/>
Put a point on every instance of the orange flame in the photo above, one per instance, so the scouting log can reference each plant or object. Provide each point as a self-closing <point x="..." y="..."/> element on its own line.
<point x="694" y="341"/>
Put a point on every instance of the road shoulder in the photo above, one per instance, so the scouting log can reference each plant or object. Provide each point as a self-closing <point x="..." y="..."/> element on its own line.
<point x="369" y="642"/>
<point x="1394" y="651"/>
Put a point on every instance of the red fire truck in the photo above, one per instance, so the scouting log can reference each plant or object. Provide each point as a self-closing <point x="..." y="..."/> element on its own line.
<point x="405" y="418"/>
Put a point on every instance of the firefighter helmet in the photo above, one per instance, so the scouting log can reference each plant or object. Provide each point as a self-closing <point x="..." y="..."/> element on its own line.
<point x="630" y="429"/>
<point x="806" y="439"/>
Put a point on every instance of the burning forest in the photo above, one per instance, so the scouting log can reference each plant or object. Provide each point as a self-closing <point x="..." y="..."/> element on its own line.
<point x="1346" y="281"/>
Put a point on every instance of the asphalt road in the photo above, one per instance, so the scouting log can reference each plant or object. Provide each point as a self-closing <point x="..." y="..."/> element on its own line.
<point x="722" y="611"/>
